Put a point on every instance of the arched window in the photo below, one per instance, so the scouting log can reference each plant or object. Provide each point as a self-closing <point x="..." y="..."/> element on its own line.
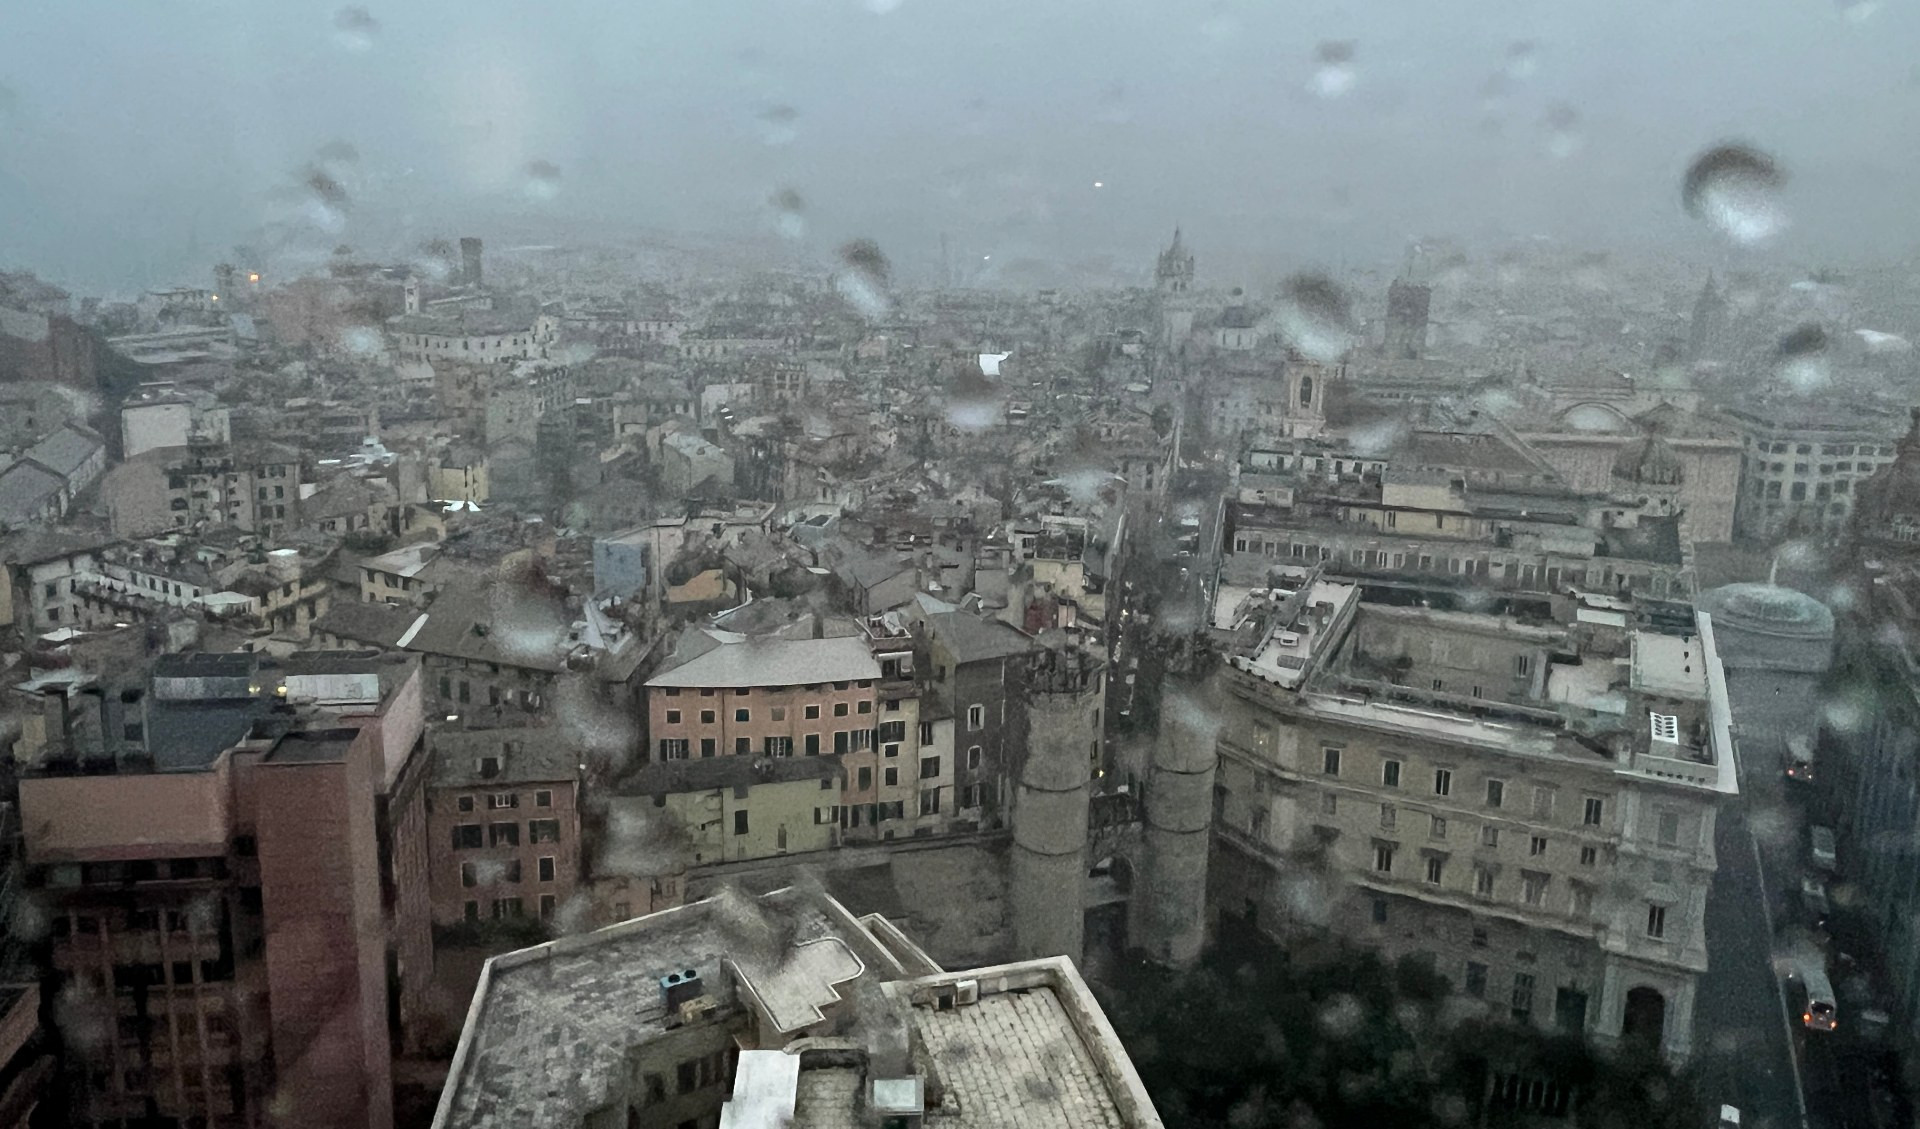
<point x="1306" y="391"/>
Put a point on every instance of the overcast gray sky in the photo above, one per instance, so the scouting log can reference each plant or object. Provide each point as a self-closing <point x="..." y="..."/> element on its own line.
<point x="138" y="141"/>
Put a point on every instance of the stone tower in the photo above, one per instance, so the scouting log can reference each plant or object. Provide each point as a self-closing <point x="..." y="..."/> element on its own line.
<point x="412" y="295"/>
<point x="1407" y="306"/>
<point x="1173" y="283"/>
<point x="1707" y="333"/>
<point x="1168" y="913"/>
<point x="1064" y="691"/>
<point x="470" y="249"/>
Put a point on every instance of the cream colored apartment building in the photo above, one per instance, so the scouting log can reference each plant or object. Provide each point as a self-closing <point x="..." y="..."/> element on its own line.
<point x="1527" y="806"/>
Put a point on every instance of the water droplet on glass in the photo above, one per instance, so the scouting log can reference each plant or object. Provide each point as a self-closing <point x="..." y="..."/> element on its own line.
<point x="338" y="153"/>
<point x="1523" y="59"/>
<point x="326" y="201"/>
<point x="362" y="341"/>
<point x="779" y="124"/>
<point x="355" y="28"/>
<point x="1316" y="317"/>
<point x="1883" y="344"/>
<point x="882" y="7"/>
<point x="1563" y="131"/>
<point x="1800" y="359"/>
<point x="542" y="180"/>
<point x="1735" y="189"/>
<point x="865" y="280"/>
<point x="1333" y="69"/>
<point x="1859" y="11"/>
<point x="789" y="213"/>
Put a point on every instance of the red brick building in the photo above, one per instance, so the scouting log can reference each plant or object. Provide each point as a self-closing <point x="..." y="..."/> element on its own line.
<point x="503" y="823"/>
<point x="231" y="870"/>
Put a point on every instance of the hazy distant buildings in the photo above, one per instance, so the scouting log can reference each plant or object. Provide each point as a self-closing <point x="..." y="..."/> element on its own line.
<point x="1406" y="330"/>
<point x="1803" y="462"/>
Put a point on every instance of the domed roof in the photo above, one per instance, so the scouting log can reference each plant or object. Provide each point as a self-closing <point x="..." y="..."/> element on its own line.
<point x="1648" y="461"/>
<point x="1767" y="608"/>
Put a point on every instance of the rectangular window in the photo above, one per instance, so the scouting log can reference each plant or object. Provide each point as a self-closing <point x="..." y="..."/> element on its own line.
<point x="973" y="756"/>
<point x="1443" y="782"/>
<point x="930" y="802"/>
<point x="811" y="743"/>
<point x="1483" y="881"/>
<point x="1436" y="869"/>
<point x="1582" y="898"/>
<point x="743" y="746"/>
<point x="929" y="767"/>
<point x="1589" y="855"/>
<point x="504" y="908"/>
<point x="865" y="778"/>
<point x="499" y="800"/>
<point x="673" y="717"/>
<point x="673" y="748"/>
<point x="1330" y="761"/>
<point x="840" y="743"/>
<point x="1390" y="774"/>
<point x="1533" y="887"/>
<point x="740" y="823"/>
<point x="543" y="799"/>
<point x="464" y="803"/>
<point x="891" y="777"/>
<point x="467" y="836"/>
<point x="1522" y="995"/>
<point x="1656" y="921"/>
<point x="543" y="831"/>
<point x="812" y="713"/>
<point x="1383" y="857"/>
<point x="1496" y="793"/>
<point x="1591" y="815"/>
<point x="1439" y="828"/>
<point x="1476" y="980"/>
<point x="469" y="874"/>
<point x="779" y="746"/>
<point x="1536" y="846"/>
<point x="1379" y="911"/>
<point x="864" y="706"/>
<point x="708" y="746"/>
<point x="708" y="717"/>
<point x="546" y="868"/>
<point x="1669" y="829"/>
<point x="499" y="834"/>
<point x="976" y="718"/>
<point x="1489" y="835"/>
<point x="1388" y="817"/>
<point x="742" y="715"/>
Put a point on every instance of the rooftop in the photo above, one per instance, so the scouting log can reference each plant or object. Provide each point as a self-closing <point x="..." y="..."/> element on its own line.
<point x="710" y="658"/>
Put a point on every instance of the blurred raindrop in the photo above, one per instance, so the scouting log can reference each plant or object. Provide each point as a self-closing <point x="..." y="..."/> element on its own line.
<point x="362" y="341"/>
<point x="1859" y="11"/>
<point x="1563" y="131"/>
<point x="1882" y="344"/>
<point x="1342" y="1016"/>
<point x="326" y="199"/>
<point x="1334" y="72"/>
<point x="882" y="7"/>
<point x="542" y="180"/>
<point x="355" y="28"/>
<point x="789" y="213"/>
<point x="1800" y="359"/>
<point x="338" y="154"/>
<point x="1735" y="190"/>
<point x="1523" y="59"/>
<point x="777" y="124"/>
<point x="865" y="281"/>
<point x="1316" y="317"/>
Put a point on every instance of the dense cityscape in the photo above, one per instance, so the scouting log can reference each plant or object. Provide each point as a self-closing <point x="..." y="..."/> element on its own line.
<point x="517" y="674"/>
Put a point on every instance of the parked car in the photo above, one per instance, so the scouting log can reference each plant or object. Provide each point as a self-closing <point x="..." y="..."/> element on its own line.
<point x="1820" y="849"/>
<point x="1814" y="902"/>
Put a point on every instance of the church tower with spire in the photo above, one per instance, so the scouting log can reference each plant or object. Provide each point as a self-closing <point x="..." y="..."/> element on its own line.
<point x="1173" y="284"/>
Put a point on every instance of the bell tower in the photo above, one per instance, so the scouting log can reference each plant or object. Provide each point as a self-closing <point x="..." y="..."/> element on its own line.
<point x="1173" y="285"/>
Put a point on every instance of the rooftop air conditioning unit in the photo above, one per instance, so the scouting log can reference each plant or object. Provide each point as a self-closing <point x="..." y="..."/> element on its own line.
<point x="1289" y="639"/>
<point x="966" y="992"/>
